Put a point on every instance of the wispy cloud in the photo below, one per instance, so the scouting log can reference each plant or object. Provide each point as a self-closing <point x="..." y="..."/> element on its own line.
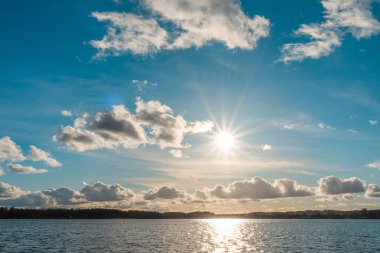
<point x="341" y="17"/>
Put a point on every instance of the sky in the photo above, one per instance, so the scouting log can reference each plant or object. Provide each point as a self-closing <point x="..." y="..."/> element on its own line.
<point x="177" y="105"/>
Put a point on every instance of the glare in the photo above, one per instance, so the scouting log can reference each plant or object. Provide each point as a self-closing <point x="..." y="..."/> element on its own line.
<point x="226" y="235"/>
<point x="224" y="141"/>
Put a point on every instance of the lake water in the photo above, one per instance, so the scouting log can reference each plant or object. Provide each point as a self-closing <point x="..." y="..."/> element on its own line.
<point x="229" y="235"/>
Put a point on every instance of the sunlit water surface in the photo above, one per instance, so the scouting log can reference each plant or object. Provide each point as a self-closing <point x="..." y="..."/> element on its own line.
<point x="223" y="235"/>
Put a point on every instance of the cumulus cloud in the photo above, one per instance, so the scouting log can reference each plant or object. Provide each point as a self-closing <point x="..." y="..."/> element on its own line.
<point x="164" y="192"/>
<point x="66" y="113"/>
<point x="341" y="17"/>
<point x="36" y="154"/>
<point x="8" y="191"/>
<point x="373" y="191"/>
<point x="168" y="129"/>
<point x="258" y="188"/>
<point x="64" y="196"/>
<point x="119" y="127"/>
<point x="23" y="169"/>
<point x="129" y="33"/>
<point x="34" y="199"/>
<point x="333" y="185"/>
<point x="193" y="24"/>
<point x="104" y="192"/>
<point x="10" y="151"/>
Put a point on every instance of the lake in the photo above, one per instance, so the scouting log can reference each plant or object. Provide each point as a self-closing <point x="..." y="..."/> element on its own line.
<point x="218" y="235"/>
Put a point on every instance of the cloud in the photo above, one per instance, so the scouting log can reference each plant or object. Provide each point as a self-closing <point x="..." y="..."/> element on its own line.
<point x="200" y="22"/>
<point x="118" y="127"/>
<point x="333" y="185"/>
<point x="373" y="191"/>
<point x="104" y="192"/>
<point x="324" y="40"/>
<point x="7" y="190"/>
<point x="258" y="188"/>
<point x="129" y="33"/>
<point x="36" y="154"/>
<point x="266" y="147"/>
<point x="168" y="130"/>
<point x="192" y="24"/>
<point x="341" y="17"/>
<point x="22" y="169"/>
<point x="372" y="122"/>
<point x="36" y="199"/>
<point x="165" y="192"/>
<point x="66" y="113"/>
<point x="80" y="140"/>
<point x="10" y="151"/>
<point x="2" y="172"/>
<point x="142" y="84"/>
<point x="374" y="165"/>
<point x="64" y="196"/>
<point x="176" y="153"/>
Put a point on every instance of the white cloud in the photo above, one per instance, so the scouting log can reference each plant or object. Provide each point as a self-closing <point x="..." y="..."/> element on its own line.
<point x="164" y="192"/>
<point x="324" y="40"/>
<point x="333" y="185"/>
<point x="129" y="33"/>
<point x="324" y="126"/>
<point x="142" y="84"/>
<point x="258" y="188"/>
<point x="7" y="190"/>
<point x="193" y="24"/>
<point x="168" y="129"/>
<point x="341" y="17"/>
<point x="200" y="22"/>
<point x="119" y="127"/>
<point x="266" y="147"/>
<point x="352" y="131"/>
<point x="10" y="151"/>
<point x="64" y="196"/>
<point x="36" y="154"/>
<point x="372" y="122"/>
<point x="104" y="192"/>
<point x="288" y="126"/>
<point x="22" y="169"/>
<point x="66" y="113"/>
<point x="2" y="172"/>
<point x="34" y="199"/>
<point x="374" y="165"/>
<point x="176" y="153"/>
<point x="373" y="191"/>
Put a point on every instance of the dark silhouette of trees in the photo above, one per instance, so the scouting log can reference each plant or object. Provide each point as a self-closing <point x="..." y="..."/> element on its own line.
<point x="19" y="213"/>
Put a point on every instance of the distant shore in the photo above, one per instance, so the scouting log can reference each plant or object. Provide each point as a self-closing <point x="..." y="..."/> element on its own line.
<point x="19" y="213"/>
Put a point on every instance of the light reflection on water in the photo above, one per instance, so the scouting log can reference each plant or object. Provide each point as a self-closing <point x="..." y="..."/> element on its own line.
<point x="226" y="234"/>
<point x="217" y="235"/>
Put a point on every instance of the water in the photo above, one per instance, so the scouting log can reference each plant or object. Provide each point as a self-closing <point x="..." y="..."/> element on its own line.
<point x="190" y="235"/>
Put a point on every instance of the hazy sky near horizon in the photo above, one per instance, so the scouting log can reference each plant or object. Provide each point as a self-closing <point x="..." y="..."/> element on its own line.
<point x="219" y="105"/>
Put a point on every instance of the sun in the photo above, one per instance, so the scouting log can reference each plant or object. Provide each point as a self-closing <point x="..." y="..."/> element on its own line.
<point x="224" y="141"/>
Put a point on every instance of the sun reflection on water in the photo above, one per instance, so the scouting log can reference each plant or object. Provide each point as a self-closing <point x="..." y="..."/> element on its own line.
<point x="226" y="235"/>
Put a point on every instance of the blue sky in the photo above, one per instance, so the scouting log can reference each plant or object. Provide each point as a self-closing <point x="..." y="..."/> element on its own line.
<point x="297" y="77"/>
